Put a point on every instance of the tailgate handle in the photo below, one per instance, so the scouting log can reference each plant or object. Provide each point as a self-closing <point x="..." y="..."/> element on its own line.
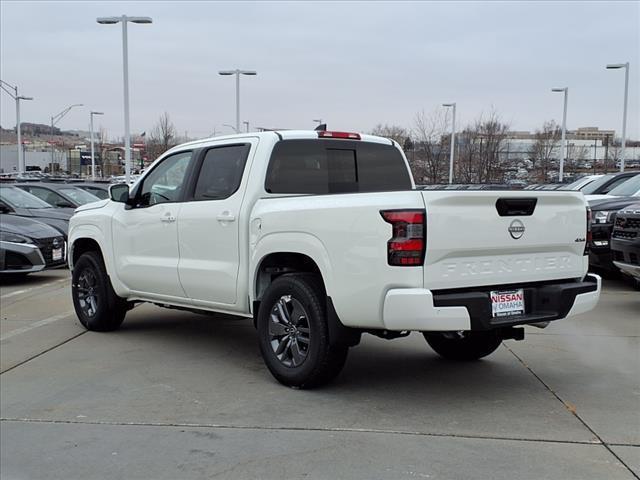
<point x="516" y="207"/>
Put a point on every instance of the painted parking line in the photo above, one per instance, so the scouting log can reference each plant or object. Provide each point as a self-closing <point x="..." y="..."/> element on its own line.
<point x="38" y="324"/>
<point x="27" y="290"/>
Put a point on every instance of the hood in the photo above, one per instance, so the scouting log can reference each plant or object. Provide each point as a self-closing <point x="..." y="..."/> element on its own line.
<point x="56" y="213"/>
<point x="612" y="203"/>
<point x="593" y="198"/>
<point x="92" y="205"/>
<point x="27" y="227"/>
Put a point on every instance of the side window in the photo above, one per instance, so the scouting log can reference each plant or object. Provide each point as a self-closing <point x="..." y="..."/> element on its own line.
<point x="48" y="196"/>
<point x="221" y="172"/>
<point x="164" y="184"/>
<point x="614" y="184"/>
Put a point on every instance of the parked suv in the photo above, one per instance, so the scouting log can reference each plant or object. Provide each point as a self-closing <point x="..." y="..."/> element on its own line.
<point x="625" y="241"/>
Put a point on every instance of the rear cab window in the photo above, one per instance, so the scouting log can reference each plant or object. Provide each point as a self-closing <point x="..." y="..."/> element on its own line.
<point x="325" y="166"/>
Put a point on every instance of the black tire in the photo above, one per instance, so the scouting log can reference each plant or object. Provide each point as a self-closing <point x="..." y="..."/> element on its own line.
<point x="96" y="304"/>
<point x="464" y="346"/>
<point x="309" y="360"/>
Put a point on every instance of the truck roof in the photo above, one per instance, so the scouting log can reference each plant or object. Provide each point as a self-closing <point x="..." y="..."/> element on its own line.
<point x="282" y="134"/>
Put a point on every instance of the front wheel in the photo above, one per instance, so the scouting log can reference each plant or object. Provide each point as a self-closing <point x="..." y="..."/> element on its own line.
<point x="96" y="304"/>
<point x="464" y="346"/>
<point x="293" y="333"/>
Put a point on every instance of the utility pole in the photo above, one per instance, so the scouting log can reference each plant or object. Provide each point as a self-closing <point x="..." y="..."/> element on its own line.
<point x="14" y="94"/>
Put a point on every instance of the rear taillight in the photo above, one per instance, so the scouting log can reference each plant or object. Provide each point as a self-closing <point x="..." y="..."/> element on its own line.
<point x="345" y="135"/>
<point x="407" y="245"/>
<point x="589" y="236"/>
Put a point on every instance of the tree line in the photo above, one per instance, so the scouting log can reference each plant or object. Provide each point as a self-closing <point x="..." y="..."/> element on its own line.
<point x="481" y="148"/>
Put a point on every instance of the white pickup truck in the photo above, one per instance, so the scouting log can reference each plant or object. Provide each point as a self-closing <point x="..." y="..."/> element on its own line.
<point x="322" y="236"/>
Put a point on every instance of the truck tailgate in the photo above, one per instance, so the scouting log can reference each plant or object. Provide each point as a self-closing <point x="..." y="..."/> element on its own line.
<point x="471" y="243"/>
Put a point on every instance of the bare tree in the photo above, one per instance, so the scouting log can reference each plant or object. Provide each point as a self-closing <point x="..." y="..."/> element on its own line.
<point x="431" y="146"/>
<point x="162" y="137"/>
<point x="394" y="132"/>
<point x="544" y="149"/>
<point x="576" y="155"/>
<point x="482" y="149"/>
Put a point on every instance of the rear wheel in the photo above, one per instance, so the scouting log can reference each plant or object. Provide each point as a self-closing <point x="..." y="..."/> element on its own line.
<point x="293" y="333"/>
<point x="96" y="304"/>
<point x="464" y="346"/>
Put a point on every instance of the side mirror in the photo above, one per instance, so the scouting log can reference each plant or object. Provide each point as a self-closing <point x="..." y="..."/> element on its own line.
<point x="119" y="192"/>
<point x="64" y="204"/>
<point x="4" y="208"/>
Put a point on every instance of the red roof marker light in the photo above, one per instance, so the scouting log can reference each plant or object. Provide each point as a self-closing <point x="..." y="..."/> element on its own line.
<point x="345" y="135"/>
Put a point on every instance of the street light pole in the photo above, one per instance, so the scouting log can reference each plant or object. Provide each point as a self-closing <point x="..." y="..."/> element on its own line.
<point x="7" y="87"/>
<point x="93" y="158"/>
<point x="453" y="139"/>
<point x="55" y="119"/>
<point x="237" y="73"/>
<point x="615" y="66"/>
<point x="563" y="141"/>
<point x="125" y="74"/>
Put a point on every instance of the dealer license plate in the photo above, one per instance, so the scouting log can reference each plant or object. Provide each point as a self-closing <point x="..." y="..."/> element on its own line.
<point x="56" y="254"/>
<point x="507" y="302"/>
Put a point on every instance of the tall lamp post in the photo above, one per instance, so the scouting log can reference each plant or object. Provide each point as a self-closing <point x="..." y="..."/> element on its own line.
<point x="7" y="88"/>
<point x="453" y="139"/>
<point x="125" y="70"/>
<point x="614" y="66"/>
<point x="237" y="73"/>
<point x="563" y="141"/>
<point x="55" y="119"/>
<point x="93" y="154"/>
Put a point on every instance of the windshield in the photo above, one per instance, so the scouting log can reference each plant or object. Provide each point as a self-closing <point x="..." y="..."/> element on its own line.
<point x="18" y="198"/>
<point x="580" y="184"/>
<point x="79" y="196"/>
<point x="596" y="184"/>
<point x="629" y="188"/>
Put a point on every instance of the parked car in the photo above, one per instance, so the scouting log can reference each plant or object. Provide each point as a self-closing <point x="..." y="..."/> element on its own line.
<point x="603" y="214"/>
<point x="98" y="189"/>
<point x="625" y="241"/>
<point x="321" y="236"/>
<point x="60" y="195"/>
<point x="16" y="201"/>
<point x="598" y="189"/>
<point x="27" y="246"/>
<point x="581" y="182"/>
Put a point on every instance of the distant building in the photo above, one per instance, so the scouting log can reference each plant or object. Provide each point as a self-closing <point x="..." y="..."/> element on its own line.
<point x="591" y="133"/>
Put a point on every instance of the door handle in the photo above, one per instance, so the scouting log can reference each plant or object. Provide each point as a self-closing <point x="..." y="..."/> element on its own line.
<point x="226" y="217"/>
<point x="168" y="219"/>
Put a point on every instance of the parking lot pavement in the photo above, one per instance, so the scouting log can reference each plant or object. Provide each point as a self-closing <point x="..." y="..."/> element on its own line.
<point x="179" y="395"/>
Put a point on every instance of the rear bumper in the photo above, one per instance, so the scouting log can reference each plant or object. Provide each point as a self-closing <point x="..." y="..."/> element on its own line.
<point x="469" y="309"/>
<point x="629" y="269"/>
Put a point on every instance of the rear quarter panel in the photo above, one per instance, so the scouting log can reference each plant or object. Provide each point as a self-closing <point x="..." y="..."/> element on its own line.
<point x="347" y="238"/>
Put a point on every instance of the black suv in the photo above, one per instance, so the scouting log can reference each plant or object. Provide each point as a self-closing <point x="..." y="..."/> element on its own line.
<point x="603" y="213"/>
<point x="625" y="241"/>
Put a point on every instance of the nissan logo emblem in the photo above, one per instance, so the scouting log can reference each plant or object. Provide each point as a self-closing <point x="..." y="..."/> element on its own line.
<point x="516" y="229"/>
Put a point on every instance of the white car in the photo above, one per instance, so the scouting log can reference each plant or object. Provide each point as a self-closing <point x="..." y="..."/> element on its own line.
<point x="321" y="236"/>
<point x="629" y="188"/>
<point x="582" y="182"/>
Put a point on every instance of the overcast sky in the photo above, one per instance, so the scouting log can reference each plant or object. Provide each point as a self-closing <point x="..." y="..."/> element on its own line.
<point x="352" y="64"/>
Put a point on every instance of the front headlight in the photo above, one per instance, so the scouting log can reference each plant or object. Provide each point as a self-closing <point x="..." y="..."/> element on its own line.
<point x="14" y="238"/>
<point x="603" y="216"/>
